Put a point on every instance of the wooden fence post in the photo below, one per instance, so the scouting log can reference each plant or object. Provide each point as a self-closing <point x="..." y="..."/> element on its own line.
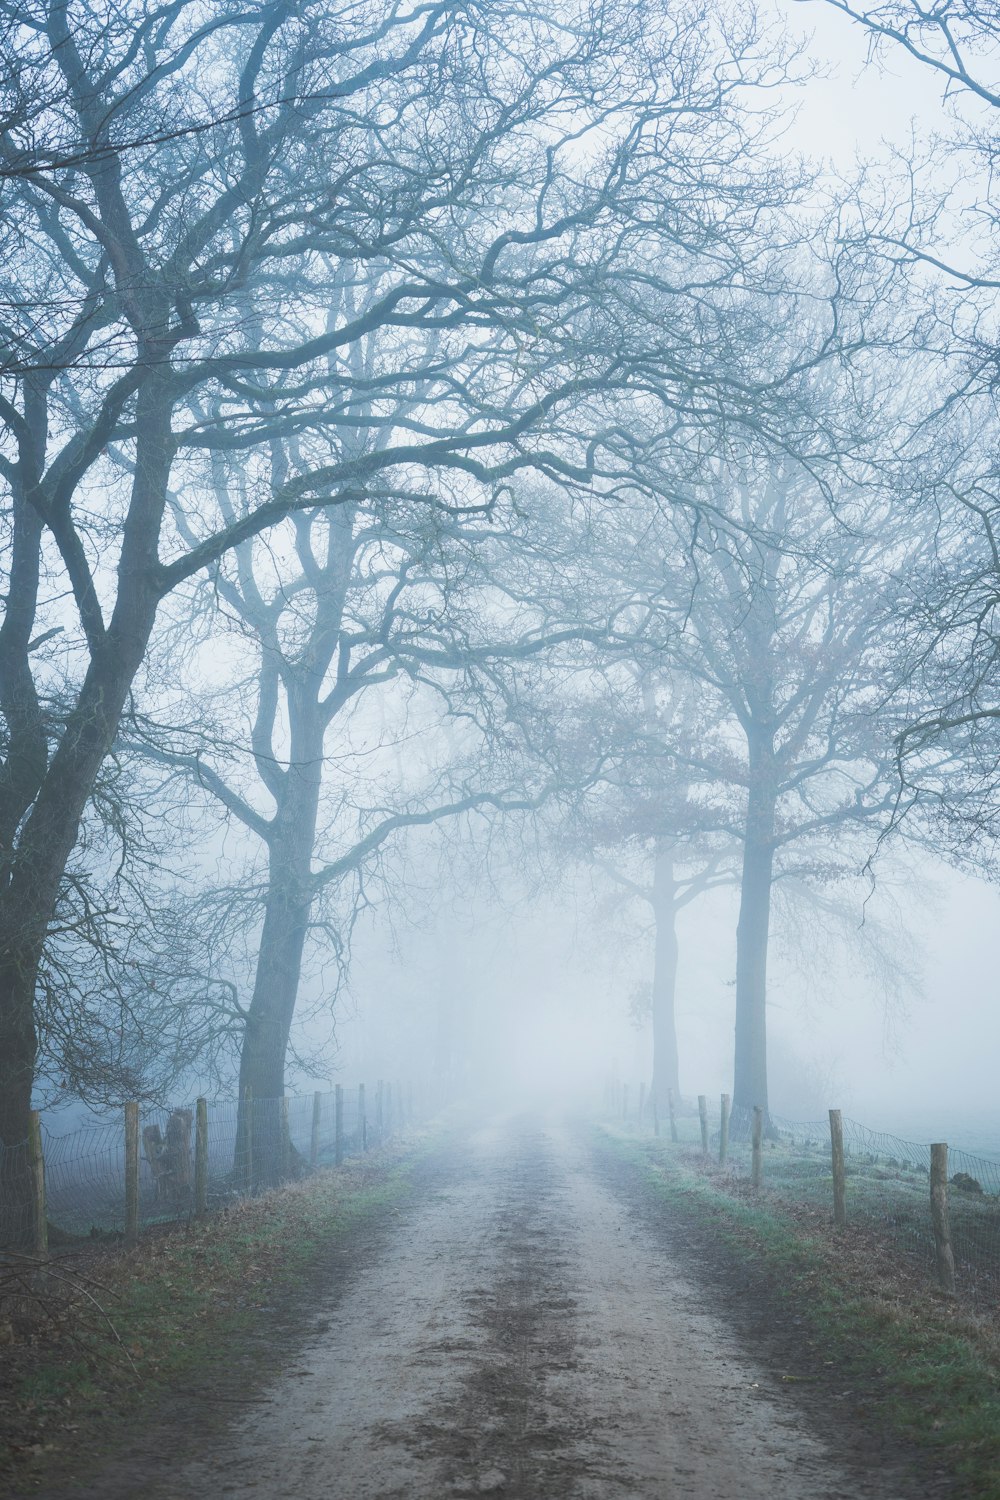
<point x="201" y="1157"/>
<point x="286" y="1141"/>
<point x="673" y="1115"/>
<point x="939" y="1218"/>
<point x="703" y="1120"/>
<point x="338" y="1124"/>
<point x="642" y="1101"/>
<point x="40" y="1228"/>
<point x="131" y="1172"/>
<point x="314" y="1133"/>
<point x="362" y="1118"/>
<point x="248" y="1136"/>
<point x="839" y="1170"/>
<point x="724" y="1130"/>
<point x="757" y="1147"/>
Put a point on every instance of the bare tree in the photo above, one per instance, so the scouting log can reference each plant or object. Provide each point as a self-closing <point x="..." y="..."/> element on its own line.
<point x="176" y="186"/>
<point x="787" y="630"/>
<point x="925" y="220"/>
<point x="771" y="601"/>
<point x="343" y="643"/>
<point x="645" y="825"/>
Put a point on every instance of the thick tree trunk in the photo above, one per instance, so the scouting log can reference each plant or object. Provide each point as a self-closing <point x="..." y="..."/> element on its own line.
<point x="28" y="905"/>
<point x="35" y="869"/>
<point x="18" y="1047"/>
<point x="665" y="1056"/>
<point x="282" y="943"/>
<point x="268" y="1026"/>
<point x="752" y="932"/>
<point x="290" y="840"/>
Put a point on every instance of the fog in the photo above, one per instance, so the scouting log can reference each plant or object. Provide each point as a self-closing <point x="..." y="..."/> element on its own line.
<point x="563" y="642"/>
<point x="533" y="1004"/>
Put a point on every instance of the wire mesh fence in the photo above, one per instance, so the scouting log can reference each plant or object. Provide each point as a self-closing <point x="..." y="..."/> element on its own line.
<point x="886" y="1179"/>
<point x="189" y="1159"/>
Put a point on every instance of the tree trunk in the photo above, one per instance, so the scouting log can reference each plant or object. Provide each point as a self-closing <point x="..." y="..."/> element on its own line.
<point x="665" y="1057"/>
<point x="29" y="903"/>
<point x="287" y="907"/>
<point x="752" y="932"/>
<point x="35" y="870"/>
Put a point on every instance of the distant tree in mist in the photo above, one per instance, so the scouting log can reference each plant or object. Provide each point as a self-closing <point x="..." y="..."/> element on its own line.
<point x="639" y="826"/>
<point x="747" y="690"/>
<point x="786" y="630"/>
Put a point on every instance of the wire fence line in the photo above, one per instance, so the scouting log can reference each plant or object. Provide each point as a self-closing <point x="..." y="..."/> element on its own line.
<point x="896" y="1188"/>
<point x="153" y="1166"/>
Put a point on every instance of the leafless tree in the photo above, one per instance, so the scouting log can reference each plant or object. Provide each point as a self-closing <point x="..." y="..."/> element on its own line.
<point x="334" y="651"/>
<point x="638" y="826"/>
<point x="176" y="186"/>
<point x="935" y="217"/>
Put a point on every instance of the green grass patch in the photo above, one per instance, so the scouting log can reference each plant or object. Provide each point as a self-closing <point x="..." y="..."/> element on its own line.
<point x="935" y="1365"/>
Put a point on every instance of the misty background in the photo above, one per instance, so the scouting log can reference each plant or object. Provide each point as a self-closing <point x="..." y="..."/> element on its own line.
<point x="535" y="991"/>
<point x="455" y="664"/>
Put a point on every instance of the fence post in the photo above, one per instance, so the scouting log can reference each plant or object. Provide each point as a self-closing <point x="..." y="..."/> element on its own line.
<point x="642" y="1101"/>
<point x="656" y="1114"/>
<point x="131" y="1172"/>
<point x="286" y="1141"/>
<point x="200" y="1157"/>
<point x="939" y="1218"/>
<point x="40" y="1228"/>
<point x="703" y="1120"/>
<point x="724" y="1130"/>
<point x="379" y="1116"/>
<point x="314" y="1133"/>
<point x="757" y="1147"/>
<point x="673" y="1116"/>
<point x="338" y="1124"/>
<point x="248" y="1135"/>
<point x="839" y="1172"/>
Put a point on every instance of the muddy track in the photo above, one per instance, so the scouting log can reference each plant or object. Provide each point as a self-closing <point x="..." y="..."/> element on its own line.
<point x="529" y="1327"/>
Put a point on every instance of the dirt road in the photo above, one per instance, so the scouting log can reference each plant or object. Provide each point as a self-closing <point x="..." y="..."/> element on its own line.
<point x="521" y="1332"/>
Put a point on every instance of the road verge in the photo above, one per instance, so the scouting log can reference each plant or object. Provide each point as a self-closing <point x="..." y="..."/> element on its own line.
<point x="108" y="1334"/>
<point x="873" y="1335"/>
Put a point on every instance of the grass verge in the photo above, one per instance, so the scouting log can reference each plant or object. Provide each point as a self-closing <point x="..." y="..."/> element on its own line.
<point x="113" y="1329"/>
<point x="931" y="1366"/>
